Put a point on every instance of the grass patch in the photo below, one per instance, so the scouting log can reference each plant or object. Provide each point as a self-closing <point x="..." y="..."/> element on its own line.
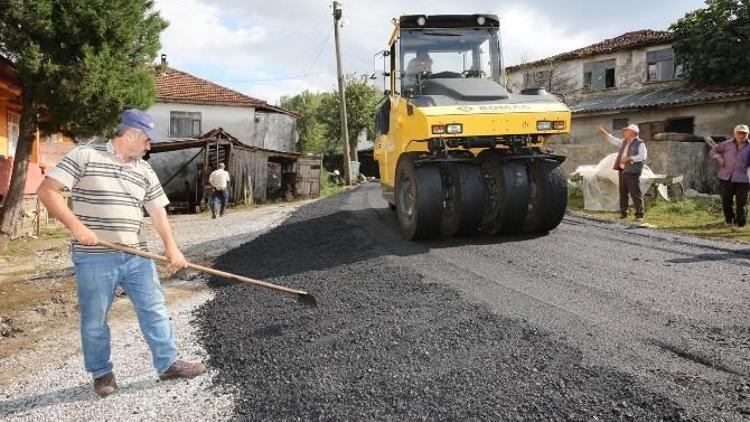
<point x="48" y="239"/>
<point x="700" y="217"/>
<point x="328" y="187"/>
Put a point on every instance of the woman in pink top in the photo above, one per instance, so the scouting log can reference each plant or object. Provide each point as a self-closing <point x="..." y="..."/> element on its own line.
<point x="733" y="156"/>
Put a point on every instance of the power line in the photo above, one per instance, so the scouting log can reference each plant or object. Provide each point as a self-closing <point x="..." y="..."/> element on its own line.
<point x="284" y="78"/>
<point x="315" y="59"/>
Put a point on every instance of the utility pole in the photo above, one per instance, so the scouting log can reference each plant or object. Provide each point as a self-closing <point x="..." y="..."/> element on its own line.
<point x="342" y="95"/>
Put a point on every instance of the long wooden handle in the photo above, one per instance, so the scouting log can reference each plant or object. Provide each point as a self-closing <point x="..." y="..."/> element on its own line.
<point x="201" y="268"/>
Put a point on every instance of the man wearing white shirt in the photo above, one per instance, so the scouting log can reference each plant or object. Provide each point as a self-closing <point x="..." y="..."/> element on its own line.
<point x="631" y="157"/>
<point x="219" y="179"/>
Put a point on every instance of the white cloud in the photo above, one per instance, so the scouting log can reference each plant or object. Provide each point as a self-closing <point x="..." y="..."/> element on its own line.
<point x="262" y="48"/>
<point x="529" y="35"/>
<point x="197" y="35"/>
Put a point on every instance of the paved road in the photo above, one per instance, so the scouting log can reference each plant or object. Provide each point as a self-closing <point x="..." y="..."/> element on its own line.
<point x="591" y="320"/>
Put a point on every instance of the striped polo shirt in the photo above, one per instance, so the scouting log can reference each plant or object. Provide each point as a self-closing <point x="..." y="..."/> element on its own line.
<point x="108" y="194"/>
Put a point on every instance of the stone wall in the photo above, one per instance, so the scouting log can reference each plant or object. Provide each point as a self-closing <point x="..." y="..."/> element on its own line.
<point x="631" y="71"/>
<point x="584" y="146"/>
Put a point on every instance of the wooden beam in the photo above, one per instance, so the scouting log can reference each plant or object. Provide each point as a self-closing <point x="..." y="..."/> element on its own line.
<point x="15" y="90"/>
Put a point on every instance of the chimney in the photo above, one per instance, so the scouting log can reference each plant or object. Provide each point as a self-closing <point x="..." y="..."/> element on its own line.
<point x="164" y="59"/>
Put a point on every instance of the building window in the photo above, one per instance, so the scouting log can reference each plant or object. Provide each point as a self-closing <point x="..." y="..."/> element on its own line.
<point x="609" y="78"/>
<point x="587" y="76"/>
<point x="184" y="124"/>
<point x="599" y="76"/>
<point x="14" y="129"/>
<point x="680" y="125"/>
<point x="618" y="124"/>
<point x="661" y="66"/>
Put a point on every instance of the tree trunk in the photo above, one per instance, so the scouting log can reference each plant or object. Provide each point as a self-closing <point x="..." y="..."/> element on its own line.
<point x="9" y="213"/>
<point x="353" y="141"/>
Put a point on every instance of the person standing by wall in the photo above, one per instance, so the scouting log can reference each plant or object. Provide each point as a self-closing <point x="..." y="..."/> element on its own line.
<point x="110" y="185"/>
<point x="631" y="158"/>
<point x="219" y="179"/>
<point x="733" y="156"/>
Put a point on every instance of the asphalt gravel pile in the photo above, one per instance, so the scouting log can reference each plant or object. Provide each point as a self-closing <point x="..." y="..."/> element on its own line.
<point x="387" y="342"/>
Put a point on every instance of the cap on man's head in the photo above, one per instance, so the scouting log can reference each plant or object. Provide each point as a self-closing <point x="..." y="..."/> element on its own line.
<point x="139" y="119"/>
<point x="633" y="127"/>
<point x="741" y="128"/>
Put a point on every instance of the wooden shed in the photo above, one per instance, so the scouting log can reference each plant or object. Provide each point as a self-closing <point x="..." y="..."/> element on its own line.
<point x="257" y="174"/>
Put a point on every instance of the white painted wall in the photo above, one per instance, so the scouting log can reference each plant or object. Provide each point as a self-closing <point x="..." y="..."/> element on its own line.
<point x="275" y="131"/>
<point x="238" y="121"/>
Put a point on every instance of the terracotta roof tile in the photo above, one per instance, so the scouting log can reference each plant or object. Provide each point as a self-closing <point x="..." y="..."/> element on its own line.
<point x="174" y="85"/>
<point x="625" y="41"/>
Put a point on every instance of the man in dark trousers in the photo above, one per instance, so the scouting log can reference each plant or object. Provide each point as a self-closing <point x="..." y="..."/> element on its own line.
<point x="631" y="157"/>
<point x="733" y="156"/>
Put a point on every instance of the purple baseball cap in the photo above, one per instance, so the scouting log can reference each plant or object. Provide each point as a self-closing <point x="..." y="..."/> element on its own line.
<point x="139" y="119"/>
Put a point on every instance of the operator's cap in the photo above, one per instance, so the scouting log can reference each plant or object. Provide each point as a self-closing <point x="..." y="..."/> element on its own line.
<point x="139" y="119"/>
<point x="634" y="127"/>
<point x="741" y="128"/>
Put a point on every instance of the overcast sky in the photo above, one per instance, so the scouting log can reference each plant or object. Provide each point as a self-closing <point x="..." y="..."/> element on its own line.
<point x="267" y="49"/>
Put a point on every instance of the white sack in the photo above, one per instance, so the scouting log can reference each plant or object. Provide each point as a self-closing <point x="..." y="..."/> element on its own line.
<point x="600" y="184"/>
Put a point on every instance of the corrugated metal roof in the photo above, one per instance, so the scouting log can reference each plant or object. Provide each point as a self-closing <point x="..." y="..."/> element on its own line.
<point x="214" y="136"/>
<point x="654" y="97"/>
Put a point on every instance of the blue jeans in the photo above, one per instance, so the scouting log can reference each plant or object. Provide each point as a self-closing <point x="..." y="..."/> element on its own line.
<point x="97" y="275"/>
<point x="220" y="201"/>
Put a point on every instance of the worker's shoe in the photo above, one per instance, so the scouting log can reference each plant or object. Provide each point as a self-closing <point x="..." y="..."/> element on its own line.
<point x="182" y="369"/>
<point x="105" y="385"/>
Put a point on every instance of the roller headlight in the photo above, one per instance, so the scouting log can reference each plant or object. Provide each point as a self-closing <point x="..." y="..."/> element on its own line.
<point x="454" y="128"/>
<point x="547" y="125"/>
<point x="543" y="125"/>
<point x="450" y="129"/>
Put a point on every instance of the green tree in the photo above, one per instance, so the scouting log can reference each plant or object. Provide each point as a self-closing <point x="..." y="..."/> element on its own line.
<point x="80" y="63"/>
<point x="712" y="43"/>
<point x="312" y="133"/>
<point x="361" y="103"/>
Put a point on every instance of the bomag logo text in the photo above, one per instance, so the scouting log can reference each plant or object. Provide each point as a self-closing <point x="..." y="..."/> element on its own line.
<point x="497" y="107"/>
<point x="494" y="107"/>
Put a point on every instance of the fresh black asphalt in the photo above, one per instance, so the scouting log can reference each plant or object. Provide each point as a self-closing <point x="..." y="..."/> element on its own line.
<point x="593" y="320"/>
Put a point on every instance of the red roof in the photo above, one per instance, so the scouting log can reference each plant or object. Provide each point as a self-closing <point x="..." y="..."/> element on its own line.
<point x="176" y="86"/>
<point x="627" y="41"/>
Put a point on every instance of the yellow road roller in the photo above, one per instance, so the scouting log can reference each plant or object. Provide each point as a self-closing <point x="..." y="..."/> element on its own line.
<point x="457" y="152"/>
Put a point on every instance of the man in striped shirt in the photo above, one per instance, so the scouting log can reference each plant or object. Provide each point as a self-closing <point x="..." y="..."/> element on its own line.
<point x="110" y="185"/>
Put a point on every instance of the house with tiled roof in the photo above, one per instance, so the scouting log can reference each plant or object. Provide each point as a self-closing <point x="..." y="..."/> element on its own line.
<point x="634" y="78"/>
<point x="188" y="106"/>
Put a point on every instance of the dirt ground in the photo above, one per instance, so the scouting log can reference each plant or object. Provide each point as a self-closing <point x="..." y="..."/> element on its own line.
<point x="38" y="304"/>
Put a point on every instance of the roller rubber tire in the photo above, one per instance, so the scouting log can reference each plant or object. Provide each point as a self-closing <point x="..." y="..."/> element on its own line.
<point x="507" y="196"/>
<point x="549" y="198"/>
<point x="464" y="198"/>
<point x="418" y="196"/>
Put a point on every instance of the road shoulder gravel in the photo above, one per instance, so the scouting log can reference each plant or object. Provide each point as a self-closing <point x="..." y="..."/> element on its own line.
<point x="51" y="384"/>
